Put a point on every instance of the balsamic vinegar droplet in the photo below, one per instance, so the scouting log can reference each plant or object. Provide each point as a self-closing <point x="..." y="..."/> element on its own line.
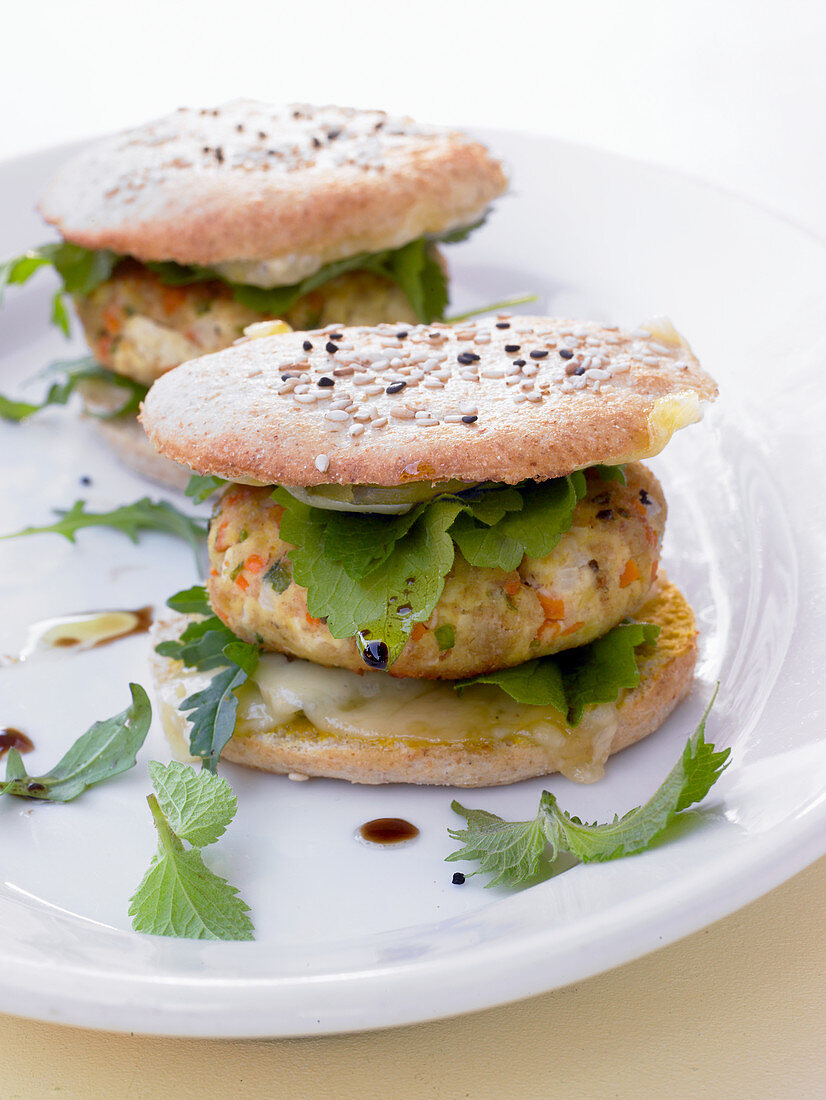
<point x="374" y="654"/>
<point x="388" y="830"/>
<point x="11" y="738"/>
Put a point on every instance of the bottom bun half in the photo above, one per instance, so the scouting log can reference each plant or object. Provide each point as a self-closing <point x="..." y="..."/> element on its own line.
<point x="479" y="738"/>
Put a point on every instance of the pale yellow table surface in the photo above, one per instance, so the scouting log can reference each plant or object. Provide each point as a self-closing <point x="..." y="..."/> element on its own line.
<point x="736" y="1010"/>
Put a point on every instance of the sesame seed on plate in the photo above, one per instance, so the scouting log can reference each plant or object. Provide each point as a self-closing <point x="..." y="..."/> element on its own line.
<point x="322" y="463"/>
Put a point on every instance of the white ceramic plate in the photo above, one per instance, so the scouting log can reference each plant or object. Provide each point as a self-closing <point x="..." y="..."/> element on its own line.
<point x="350" y="937"/>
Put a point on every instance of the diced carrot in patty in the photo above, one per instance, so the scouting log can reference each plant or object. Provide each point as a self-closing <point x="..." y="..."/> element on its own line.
<point x="512" y="587"/>
<point x="242" y="582"/>
<point x="629" y="574"/>
<point x="254" y="564"/>
<point x="553" y="607"/>
<point x="418" y="631"/>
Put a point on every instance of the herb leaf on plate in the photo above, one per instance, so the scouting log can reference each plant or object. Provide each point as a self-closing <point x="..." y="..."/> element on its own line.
<point x="129" y="519"/>
<point x="512" y="850"/>
<point x="72" y="373"/>
<point x="107" y="749"/>
<point x="206" y="644"/>
<point x="179" y="895"/>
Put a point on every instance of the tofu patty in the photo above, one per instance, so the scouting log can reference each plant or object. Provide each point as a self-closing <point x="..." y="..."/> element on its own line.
<point x="600" y="571"/>
<point x="138" y="326"/>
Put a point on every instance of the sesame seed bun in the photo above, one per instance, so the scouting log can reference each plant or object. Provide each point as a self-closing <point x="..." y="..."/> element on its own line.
<point x="665" y="678"/>
<point x="502" y="399"/>
<point x="253" y="182"/>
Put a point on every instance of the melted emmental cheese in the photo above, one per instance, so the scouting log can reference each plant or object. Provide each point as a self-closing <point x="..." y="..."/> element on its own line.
<point x="291" y="697"/>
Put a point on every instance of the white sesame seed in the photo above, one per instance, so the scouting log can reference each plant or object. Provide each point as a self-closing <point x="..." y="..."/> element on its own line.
<point x="650" y="360"/>
<point x="323" y="393"/>
<point x="355" y="429"/>
<point x="529" y="370"/>
<point x="288" y="387"/>
<point x="492" y="372"/>
<point x="341" y="402"/>
<point x="534" y="397"/>
<point x="380" y="423"/>
<point x="579" y="382"/>
<point x="680" y="366"/>
<point x="362" y="414"/>
<point x="396" y="362"/>
<point x="581" y="330"/>
<point x="427" y="423"/>
<point x="469" y="376"/>
<point x="663" y="349"/>
<point x="511" y="369"/>
<point x="298" y="777"/>
<point x="305" y="398"/>
<point x="322" y="462"/>
<point x="336" y="414"/>
<point x="517" y="397"/>
<point x="593" y="341"/>
<point x="595" y="373"/>
<point x="468" y="410"/>
<point x="401" y="413"/>
<point x="432" y="383"/>
<point x="453" y="418"/>
<point x="374" y="389"/>
<point x="511" y="380"/>
<point x="422" y="415"/>
<point x="483" y="338"/>
<point x="640" y="333"/>
<point x="380" y="364"/>
<point x="621" y="367"/>
<point x="302" y="387"/>
<point x="363" y="379"/>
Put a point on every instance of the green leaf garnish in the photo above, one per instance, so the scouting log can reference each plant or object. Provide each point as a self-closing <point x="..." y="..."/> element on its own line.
<point x="206" y="644"/>
<point x="105" y="750"/>
<point x="512" y="851"/>
<point x="445" y="636"/>
<point x="201" y="486"/>
<point x="72" y="374"/>
<point x="130" y="519"/>
<point x="81" y="270"/>
<point x="377" y="576"/>
<point x="179" y="895"/>
<point x="576" y="678"/>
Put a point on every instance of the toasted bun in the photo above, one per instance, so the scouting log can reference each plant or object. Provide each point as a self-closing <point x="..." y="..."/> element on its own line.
<point x="265" y="410"/>
<point x="250" y="181"/>
<point x="665" y="678"/>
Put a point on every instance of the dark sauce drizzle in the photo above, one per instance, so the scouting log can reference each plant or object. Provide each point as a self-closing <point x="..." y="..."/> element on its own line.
<point x="387" y="830"/>
<point x="11" y="738"/>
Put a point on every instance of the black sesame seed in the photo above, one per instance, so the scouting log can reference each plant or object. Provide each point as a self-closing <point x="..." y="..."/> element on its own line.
<point x="307" y="345"/>
<point x="458" y="878"/>
<point x="286" y="377"/>
<point x="503" y="324"/>
<point x="336" y="335"/>
<point x="605" y="513"/>
<point x="219" y="155"/>
<point x="538" y="354"/>
<point x="395" y="387"/>
<point x="333" y="134"/>
<point x="579" y="370"/>
<point x="401" y="335"/>
<point x="316" y="143"/>
<point x="86" y="480"/>
<point x="239" y="126"/>
<point x="566" y="353"/>
<point x="645" y="498"/>
<point x="513" y="347"/>
<point x="325" y="381"/>
<point x="519" y="362"/>
<point x="206" y="149"/>
<point x="331" y="347"/>
<point x="467" y="357"/>
<point x="469" y="419"/>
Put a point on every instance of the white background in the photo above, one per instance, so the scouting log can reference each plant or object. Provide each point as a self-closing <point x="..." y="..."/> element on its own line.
<point x="730" y="90"/>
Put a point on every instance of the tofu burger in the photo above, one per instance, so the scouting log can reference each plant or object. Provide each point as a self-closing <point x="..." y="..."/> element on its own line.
<point x="437" y="547"/>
